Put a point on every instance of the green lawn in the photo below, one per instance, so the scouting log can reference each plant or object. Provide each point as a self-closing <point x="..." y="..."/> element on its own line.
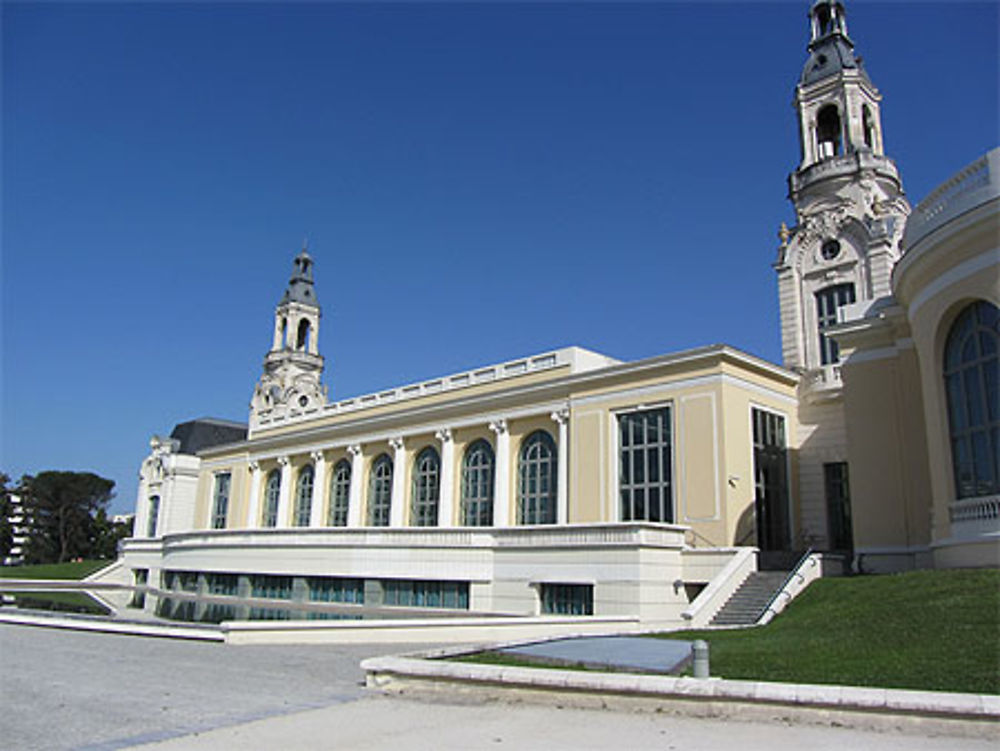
<point x="71" y="570"/>
<point x="936" y="630"/>
<point x="69" y="602"/>
<point x="931" y="630"/>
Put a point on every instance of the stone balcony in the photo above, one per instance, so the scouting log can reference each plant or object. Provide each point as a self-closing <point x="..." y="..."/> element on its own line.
<point x="843" y="166"/>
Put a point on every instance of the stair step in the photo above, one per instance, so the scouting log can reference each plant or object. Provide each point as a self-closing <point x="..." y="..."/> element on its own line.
<point x="749" y="601"/>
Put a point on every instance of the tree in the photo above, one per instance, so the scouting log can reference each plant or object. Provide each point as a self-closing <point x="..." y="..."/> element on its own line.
<point x="61" y="506"/>
<point x="107" y="535"/>
<point x="6" y="531"/>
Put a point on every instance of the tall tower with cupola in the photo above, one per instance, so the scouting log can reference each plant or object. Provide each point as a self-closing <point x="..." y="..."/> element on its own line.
<point x="290" y="382"/>
<point x="838" y="256"/>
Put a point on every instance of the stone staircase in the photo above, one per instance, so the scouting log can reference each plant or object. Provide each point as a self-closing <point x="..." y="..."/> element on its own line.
<point x="748" y="603"/>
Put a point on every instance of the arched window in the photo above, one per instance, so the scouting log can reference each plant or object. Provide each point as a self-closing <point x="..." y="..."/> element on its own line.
<point x="220" y="508"/>
<point x="380" y="492"/>
<point x="426" y="489"/>
<point x="303" y="496"/>
<point x="867" y="127"/>
<point x="536" y="492"/>
<point x="828" y="133"/>
<point x="302" y="337"/>
<point x="970" y="379"/>
<point x="340" y="493"/>
<point x="477" y="485"/>
<point x="272" y="492"/>
<point x="154" y="515"/>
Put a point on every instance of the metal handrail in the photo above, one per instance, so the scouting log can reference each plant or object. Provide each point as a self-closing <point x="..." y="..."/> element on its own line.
<point x="793" y="572"/>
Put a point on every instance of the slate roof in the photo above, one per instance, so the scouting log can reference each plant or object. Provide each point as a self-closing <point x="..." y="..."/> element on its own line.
<point x="206" y="432"/>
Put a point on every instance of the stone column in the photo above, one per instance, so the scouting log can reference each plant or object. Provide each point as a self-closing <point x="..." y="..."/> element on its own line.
<point x="253" y="506"/>
<point x="319" y="485"/>
<point x="397" y="509"/>
<point x="446" y="504"/>
<point x="285" y="493"/>
<point x="357" y="485"/>
<point x="501" y="475"/>
<point x="561" y="417"/>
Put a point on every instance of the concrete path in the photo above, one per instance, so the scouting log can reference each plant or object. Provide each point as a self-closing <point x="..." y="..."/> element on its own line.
<point x="395" y="723"/>
<point x="63" y="689"/>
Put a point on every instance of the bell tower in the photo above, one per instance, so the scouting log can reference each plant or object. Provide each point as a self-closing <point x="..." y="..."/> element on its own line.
<point x="848" y="198"/>
<point x="290" y="382"/>
<point x="836" y="259"/>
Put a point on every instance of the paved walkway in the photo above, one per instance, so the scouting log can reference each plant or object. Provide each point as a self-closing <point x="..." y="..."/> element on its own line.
<point x="66" y="690"/>
<point x="394" y="723"/>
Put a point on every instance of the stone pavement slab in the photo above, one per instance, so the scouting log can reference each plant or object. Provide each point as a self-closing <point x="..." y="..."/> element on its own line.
<point x="632" y="653"/>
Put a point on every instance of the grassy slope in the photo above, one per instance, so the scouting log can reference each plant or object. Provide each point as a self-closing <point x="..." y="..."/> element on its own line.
<point x="937" y="630"/>
<point x="71" y="570"/>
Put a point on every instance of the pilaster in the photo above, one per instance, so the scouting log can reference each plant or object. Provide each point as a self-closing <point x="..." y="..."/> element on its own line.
<point x="397" y="508"/>
<point x="446" y="500"/>
<point x="561" y="417"/>
<point x="501" y="475"/>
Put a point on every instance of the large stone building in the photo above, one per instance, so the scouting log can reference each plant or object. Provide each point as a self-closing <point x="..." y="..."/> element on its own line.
<point x="570" y="482"/>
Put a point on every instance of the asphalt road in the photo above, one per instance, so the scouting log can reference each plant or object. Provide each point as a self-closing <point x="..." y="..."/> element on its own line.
<point x="72" y="690"/>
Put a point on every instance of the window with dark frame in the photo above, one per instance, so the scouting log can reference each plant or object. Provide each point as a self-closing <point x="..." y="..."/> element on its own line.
<point x="838" y="505"/>
<point x="567" y="599"/>
<point x="220" y="507"/>
<point x="380" y="492"/>
<point x="537" y="479"/>
<point x="272" y="494"/>
<point x="828" y="302"/>
<point x="972" y="392"/>
<point x="477" y="485"/>
<point x="644" y="466"/>
<point x="426" y="489"/>
<point x="340" y="494"/>
<point x="303" y="496"/>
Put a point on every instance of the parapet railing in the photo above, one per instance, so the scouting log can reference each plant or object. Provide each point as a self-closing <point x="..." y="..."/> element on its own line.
<point x="474" y="377"/>
<point x="968" y="188"/>
<point x="975" y="509"/>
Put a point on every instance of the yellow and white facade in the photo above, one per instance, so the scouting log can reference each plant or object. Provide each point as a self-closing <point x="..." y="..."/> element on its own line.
<point x="565" y="469"/>
<point x="571" y="482"/>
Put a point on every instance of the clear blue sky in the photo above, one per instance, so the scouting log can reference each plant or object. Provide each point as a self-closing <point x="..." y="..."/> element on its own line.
<point x="477" y="182"/>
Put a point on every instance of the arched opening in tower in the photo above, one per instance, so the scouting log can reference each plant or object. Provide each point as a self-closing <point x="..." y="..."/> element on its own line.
<point x="828" y="132"/>
<point x="868" y="127"/>
<point x="302" y="338"/>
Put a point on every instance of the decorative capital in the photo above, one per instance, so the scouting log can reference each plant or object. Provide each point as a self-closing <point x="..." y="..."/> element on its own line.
<point x="396" y="443"/>
<point x="443" y="435"/>
<point x="254" y="465"/>
<point x="316" y="456"/>
<point x="283" y="461"/>
<point x="499" y="426"/>
<point x="354" y="450"/>
<point x="560" y="416"/>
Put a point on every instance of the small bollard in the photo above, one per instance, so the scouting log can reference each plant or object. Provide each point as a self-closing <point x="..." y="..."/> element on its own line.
<point x="700" y="651"/>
